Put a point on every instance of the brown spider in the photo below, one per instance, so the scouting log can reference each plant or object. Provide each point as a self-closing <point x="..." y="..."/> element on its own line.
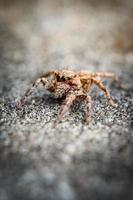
<point x="72" y="86"/>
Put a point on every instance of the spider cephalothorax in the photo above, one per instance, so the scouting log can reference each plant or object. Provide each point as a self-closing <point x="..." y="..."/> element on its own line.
<point x="72" y="86"/>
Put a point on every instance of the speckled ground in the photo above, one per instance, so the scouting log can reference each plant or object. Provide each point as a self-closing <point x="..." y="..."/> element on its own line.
<point x="73" y="161"/>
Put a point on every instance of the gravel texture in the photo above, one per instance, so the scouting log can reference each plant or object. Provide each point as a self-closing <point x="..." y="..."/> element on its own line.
<point x="73" y="161"/>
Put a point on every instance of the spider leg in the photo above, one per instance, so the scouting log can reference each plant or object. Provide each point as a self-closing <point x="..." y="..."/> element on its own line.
<point x="88" y="109"/>
<point x="99" y="74"/>
<point x="103" y="88"/>
<point x="87" y="100"/>
<point x="29" y="91"/>
<point x="105" y="74"/>
<point x="65" y="107"/>
<point x="47" y="74"/>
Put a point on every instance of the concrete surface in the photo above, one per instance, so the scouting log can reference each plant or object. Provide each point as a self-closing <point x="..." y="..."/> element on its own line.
<point x="66" y="163"/>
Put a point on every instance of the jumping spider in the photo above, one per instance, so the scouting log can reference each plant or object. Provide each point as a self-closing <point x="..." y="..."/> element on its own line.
<point x="72" y="86"/>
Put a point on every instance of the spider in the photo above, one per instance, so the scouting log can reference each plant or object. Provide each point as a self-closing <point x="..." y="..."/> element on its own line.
<point x="71" y="86"/>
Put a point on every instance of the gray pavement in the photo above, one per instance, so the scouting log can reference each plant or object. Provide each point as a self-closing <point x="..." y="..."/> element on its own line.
<point x="73" y="161"/>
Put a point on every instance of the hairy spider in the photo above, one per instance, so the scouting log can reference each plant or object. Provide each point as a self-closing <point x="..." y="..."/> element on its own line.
<point x="72" y="86"/>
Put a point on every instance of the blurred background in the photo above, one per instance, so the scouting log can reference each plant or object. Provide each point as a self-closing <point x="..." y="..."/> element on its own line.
<point x="37" y="162"/>
<point x="87" y="34"/>
<point x="67" y="32"/>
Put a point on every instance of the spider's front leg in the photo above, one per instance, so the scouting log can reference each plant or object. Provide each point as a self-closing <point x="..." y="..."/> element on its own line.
<point x="42" y="80"/>
<point x="65" y="107"/>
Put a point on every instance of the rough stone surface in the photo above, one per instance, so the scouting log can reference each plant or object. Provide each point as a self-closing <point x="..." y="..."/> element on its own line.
<point x="70" y="162"/>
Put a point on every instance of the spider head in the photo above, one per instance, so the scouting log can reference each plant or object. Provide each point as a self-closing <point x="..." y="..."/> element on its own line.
<point x="64" y="75"/>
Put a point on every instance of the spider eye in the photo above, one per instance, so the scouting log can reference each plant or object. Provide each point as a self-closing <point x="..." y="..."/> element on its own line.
<point x="58" y="77"/>
<point x="69" y="78"/>
<point x="63" y="78"/>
